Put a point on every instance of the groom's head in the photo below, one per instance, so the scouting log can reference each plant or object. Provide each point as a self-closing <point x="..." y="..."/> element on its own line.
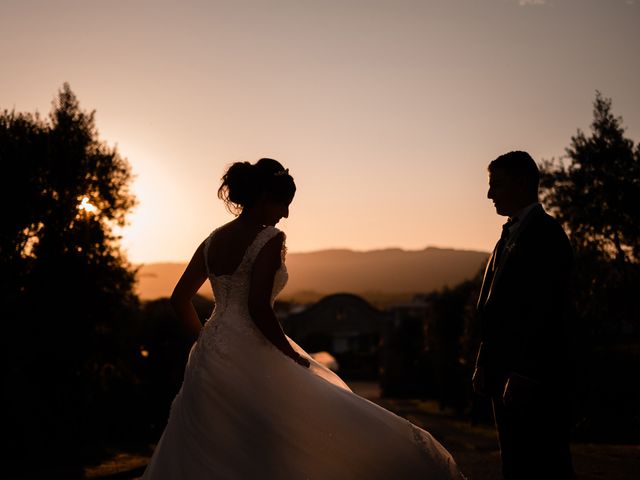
<point x="513" y="182"/>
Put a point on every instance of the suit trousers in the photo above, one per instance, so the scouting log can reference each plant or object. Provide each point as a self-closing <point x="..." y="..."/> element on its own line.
<point x="534" y="440"/>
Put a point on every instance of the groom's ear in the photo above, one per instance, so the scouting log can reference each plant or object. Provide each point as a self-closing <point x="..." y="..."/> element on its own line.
<point x="528" y="189"/>
<point x="520" y="183"/>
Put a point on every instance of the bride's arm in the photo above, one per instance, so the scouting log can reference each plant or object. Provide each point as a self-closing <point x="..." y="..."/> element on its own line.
<point x="262" y="276"/>
<point x="191" y="280"/>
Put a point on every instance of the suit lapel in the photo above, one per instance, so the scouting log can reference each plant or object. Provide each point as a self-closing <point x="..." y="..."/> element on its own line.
<point x="499" y="268"/>
<point x="486" y="280"/>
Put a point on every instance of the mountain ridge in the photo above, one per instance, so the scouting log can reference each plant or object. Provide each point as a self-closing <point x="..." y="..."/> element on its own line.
<point x="389" y="271"/>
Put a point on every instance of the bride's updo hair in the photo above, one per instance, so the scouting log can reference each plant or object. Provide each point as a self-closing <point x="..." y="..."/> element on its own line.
<point x="244" y="183"/>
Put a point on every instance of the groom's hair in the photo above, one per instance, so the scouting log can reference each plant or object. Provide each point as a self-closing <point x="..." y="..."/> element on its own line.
<point x="519" y="165"/>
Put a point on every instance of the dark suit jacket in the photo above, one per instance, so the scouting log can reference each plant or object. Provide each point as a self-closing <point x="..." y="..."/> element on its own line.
<point x="523" y="309"/>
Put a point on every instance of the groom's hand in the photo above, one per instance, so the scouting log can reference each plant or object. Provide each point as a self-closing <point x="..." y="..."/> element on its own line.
<point x="478" y="381"/>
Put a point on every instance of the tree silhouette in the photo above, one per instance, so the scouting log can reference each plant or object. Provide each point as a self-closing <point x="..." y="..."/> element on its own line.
<point x="66" y="287"/>
<point x="595" y="193"/>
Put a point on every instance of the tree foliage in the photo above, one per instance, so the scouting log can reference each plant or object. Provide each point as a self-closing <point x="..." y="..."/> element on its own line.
<point x="66" y="286"/>
<point x="595" y="191"/>
<point x="63" y="190"/>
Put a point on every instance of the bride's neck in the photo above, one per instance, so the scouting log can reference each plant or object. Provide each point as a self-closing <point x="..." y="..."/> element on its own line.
<point x="251" y="218"/>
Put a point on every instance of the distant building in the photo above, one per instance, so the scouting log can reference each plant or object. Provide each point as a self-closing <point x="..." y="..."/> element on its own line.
<point x="347" y="327"/>
<point x="404" y="353"/>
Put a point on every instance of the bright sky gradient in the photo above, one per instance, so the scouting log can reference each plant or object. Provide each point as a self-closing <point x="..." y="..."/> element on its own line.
<point x="386" y="112"/>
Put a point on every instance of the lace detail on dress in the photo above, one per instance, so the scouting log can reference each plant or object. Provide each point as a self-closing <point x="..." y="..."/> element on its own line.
<point x="231" y="292"/>
<point x="417" y="437"/>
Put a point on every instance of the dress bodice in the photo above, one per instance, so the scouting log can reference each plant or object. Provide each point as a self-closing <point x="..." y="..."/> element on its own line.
<point x="231" y="291"/>
<point x="233" y="288"/>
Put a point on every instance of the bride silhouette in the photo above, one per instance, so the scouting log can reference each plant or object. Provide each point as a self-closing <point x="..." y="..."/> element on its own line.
<point x="253" y="404"/>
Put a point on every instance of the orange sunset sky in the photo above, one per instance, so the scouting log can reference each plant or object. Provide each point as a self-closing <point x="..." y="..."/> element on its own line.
<point x="386" y="112"/>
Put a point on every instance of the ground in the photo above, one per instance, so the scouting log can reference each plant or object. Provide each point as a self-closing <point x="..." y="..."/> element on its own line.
<point x="474" y="447"/>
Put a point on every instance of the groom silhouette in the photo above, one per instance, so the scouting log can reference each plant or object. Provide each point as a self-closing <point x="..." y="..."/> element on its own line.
<point x="522" y="363"/>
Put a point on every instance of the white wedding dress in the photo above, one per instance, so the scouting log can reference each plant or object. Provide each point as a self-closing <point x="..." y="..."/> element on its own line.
<point x="247" y="411"/>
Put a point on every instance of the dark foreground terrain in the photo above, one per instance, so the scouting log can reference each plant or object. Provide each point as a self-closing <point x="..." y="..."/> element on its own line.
<point x="473" y="447"/>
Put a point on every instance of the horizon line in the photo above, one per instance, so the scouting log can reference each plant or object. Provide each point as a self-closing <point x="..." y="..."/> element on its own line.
<point x="336" y="249"/>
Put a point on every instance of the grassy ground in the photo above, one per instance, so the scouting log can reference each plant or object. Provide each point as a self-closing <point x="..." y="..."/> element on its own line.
<point x="474" y="447"/>
<point x="476" y="452"/>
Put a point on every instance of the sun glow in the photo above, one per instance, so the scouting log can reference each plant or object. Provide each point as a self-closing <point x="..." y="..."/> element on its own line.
<point x="86" y="206"/>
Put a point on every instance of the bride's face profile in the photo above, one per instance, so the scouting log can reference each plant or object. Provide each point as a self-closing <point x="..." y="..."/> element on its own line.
<point x="274" y="211"/>
<point x="267" y="211"/>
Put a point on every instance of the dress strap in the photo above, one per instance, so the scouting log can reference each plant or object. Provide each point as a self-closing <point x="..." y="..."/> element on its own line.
<point x="260" y="241"/>
<point x="252" y="251"/>
<point x="207" y="241"/>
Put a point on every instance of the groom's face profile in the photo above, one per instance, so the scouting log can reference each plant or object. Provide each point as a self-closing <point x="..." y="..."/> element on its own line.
<point x="505" y="191"/>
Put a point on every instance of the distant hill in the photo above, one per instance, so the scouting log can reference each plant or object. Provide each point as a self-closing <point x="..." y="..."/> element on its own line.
<point x="384" y="274"/>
